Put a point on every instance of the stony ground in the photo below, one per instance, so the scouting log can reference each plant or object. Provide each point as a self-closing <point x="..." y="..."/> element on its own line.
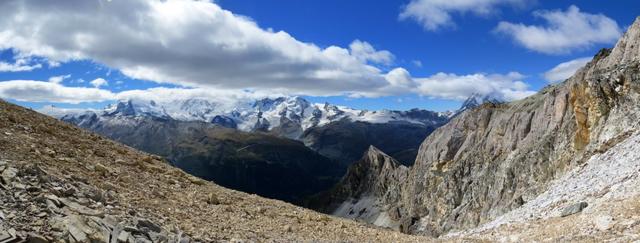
<point x="595" y="202"/>
<point x="62" y="184"/>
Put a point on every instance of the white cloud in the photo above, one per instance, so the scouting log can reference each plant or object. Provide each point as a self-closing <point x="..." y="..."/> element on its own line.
<point x="565" y="31"/>
<point x="365" y="52"/>
<point x="441" y="85"/>
<point x="436" y="14"/>
<point x="189" y="43"/>
<point x="417" y="63"/>
<point x="199" y="46"/>
<point x="41" y="91"/>
<point x="451" y="86"/>
<point x="59" y="79"/>
<point x="20" y="65"/>
<point x="565" y="70"/>
<point x="99" y="82"/>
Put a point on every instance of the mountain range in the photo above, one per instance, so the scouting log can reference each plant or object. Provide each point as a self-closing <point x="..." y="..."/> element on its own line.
<point x="259" y="146"/>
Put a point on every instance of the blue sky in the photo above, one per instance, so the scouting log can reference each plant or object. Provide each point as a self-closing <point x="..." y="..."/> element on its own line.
<point x="468" y="43"/>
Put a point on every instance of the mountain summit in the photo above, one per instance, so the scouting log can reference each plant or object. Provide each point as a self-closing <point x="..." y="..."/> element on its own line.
<point x="477" y="99"/>
<point x="287" y="116"/>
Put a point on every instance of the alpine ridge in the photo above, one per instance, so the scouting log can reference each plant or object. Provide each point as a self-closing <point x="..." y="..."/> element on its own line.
<point x="492" y="159"/>
<point x="284" y="116"/>
<point x="339" y="133"/>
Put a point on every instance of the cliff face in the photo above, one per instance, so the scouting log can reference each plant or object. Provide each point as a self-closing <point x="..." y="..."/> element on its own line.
<point x="366" y="191"/>
<point x="494" y="158"/>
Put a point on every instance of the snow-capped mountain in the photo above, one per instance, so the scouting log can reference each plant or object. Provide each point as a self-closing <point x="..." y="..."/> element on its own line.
<point x="477" y="99"/>
<point x="290" y="116"/>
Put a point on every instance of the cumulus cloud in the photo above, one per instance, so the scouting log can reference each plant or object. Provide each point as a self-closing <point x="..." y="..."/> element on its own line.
<point x="365" y="52"/>
<point x="41" y="91"/>
<point x="565" y="31"/>
<point x="20" y="65"/>
<point x="455" y="87"/>
<point x="452" y="86"/>
<point x="436" y="14"/>
<point x="189" y="43"/>
<point x="565" y="70"/>
<point x="199" y="46"/>
<point x="59" y="79"/>
<point x="99" y="82"/>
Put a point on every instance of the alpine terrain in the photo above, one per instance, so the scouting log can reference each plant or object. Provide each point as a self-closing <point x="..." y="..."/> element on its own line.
<point x="561" y="164"/>
<point x="178" y="121"/>
<point x="251" y="147"/>
<point x="60" y="183"/>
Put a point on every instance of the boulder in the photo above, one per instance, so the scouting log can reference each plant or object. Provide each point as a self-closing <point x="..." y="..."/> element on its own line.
<point x="574" y="209"/>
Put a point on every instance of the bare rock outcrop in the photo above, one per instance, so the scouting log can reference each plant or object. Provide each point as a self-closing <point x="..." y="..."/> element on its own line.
<point x="494" y="158"/>
<point x="365" y="191"/>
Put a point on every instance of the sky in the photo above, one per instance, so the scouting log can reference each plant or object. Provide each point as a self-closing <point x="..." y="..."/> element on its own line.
<point x="397" y="54"/>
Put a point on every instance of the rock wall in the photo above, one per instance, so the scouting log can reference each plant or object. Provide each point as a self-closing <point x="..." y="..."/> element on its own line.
<point x="492" y="159"/>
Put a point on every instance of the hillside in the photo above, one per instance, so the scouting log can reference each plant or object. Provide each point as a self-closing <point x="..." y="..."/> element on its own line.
<point x="255" y="162"/>
<point x="61" y="182"/>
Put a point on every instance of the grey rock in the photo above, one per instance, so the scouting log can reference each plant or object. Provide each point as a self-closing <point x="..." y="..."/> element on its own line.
<point x="375" y="175"/>
<point x="76" y="207"/>
<point x="123" y="236"/>
<point x="6" y="236"/>
<point x="185" y="240"/>
<point x="35" y="238"/>
<point x="8" y="175"/>
<point x="480" y="164"/>
<point x="574" y="209"/>
<point x="146" y="224"/>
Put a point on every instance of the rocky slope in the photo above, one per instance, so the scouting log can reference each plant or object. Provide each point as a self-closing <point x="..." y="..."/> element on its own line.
<point x="256" y="162"/>
<point x="495" y="158"/>
<point x="597" y="199"/>
<point x="371" y="178"/>
<point x="62" y="184"/>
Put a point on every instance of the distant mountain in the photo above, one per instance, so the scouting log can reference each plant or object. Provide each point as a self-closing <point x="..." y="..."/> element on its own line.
<point x="477" y="99"/>
<point x="338" y="132"/>
<point x="345" y="140"/>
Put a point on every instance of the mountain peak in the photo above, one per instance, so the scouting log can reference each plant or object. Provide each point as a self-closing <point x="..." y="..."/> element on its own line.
<point x="137" y="107"/>
<point x="477" y="99"/>
<point x="627" y="49"/>
<point x="379" y="159"/>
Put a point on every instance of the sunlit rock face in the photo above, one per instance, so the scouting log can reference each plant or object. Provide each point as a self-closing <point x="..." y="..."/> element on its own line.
<point x="493" y="158"/>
